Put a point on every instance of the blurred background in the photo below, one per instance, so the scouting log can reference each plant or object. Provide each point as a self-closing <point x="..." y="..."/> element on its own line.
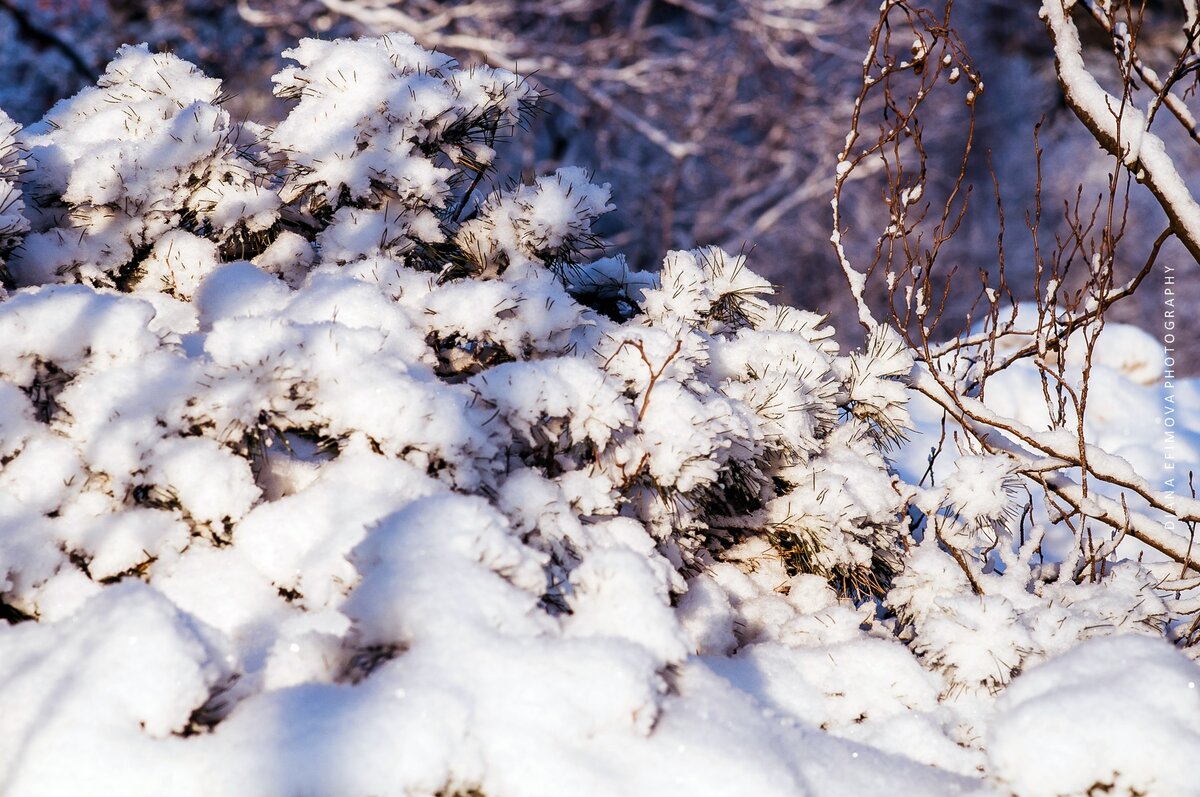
<point x="715" y="121"/>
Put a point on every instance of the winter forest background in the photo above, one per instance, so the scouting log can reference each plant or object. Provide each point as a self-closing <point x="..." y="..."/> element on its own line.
<point x="505" y="398"/>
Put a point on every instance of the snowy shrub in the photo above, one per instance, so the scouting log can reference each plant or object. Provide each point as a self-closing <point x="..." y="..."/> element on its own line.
<point x="1050" y="474"/>
<point x="405" y="422"/>
<point x="12" y="218"/>
<point x="134" y="181"/>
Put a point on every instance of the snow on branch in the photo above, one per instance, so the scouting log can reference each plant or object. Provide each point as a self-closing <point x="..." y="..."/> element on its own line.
<point x="1120" y="127"/>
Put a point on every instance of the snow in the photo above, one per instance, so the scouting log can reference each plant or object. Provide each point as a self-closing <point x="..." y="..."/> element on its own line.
<point x="1115" y="714"/>
<point x="618" y="595"/>
<point x="971" y="490"/>
<point x="178" y="263"/>
<point x="332" y="479"/>
<point x="538" y="223"/>
<point x="122" y="673"/>
<point x="238" y="289"/>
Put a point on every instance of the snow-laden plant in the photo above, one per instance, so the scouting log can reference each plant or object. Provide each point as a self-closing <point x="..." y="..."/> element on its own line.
<point x="1050" y="499"/>
<point x="420" y="422"/>
<point x="983" y="634"/>
<point x="13" y="223"/>
<point x="708" y="415"/>
<point x="746" y="425"/>
<point x="136" y="181"/>
<point x="385" y="171"/>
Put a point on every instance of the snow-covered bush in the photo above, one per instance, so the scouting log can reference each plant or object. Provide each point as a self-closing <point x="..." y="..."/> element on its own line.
<point x="483" y="352"/>
<point x="355" y="425"/>
<point x="1037" y="416"/>
<point x="134" y="181"/>
<point x="319" y="463"/>
<point x="12" y="217"/>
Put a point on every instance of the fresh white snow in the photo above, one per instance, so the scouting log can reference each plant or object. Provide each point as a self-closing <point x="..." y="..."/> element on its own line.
<point x="403" y="505"/>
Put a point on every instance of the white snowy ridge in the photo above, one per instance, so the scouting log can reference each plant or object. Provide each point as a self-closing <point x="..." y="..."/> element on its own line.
<point x="322" y="473"/>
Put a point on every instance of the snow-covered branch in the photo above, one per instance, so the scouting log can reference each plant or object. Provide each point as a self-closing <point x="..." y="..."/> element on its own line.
<point x="1120" y="127"/>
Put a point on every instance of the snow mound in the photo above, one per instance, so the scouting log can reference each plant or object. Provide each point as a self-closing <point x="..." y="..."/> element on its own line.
<point x="1119" y="715"/>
